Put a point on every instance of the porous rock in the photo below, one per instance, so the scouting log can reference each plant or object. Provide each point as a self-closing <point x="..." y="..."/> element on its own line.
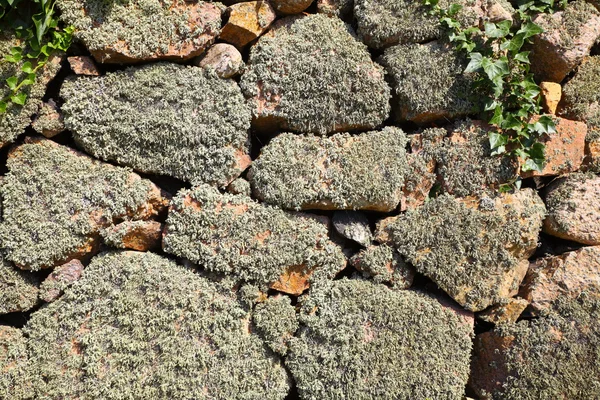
<point x="276" y="321"/>
<point x="551" y="94"/>
<point x="289" y="7"/>
<point x="338" y="8"/>
<point x="310" y="74"/>
<point x="567" y="38"/>
<point x="142" y="30"/>
<point x="552" y="357"/>
<point x="263" y="245"/>
<point x="56" y="200"/>
<point x="247" y="21"/>
<point x="370" y="171"/>
<point x="224" y="59"/>
<point x="574" y="209"/>
<point x="59" y="279"/>
<point x="384" y="264"/>
<point x="134" y="235"/>
<point x="359" y="339"/>
<point x="18" y="289"/>
<point x="162" y="118"/>
<point x="139" y="326"/>
<point x="428" y="82"/>
<point x="353" y="225"/>
<point x="474" y="249"/>
<point x="83" y="65"/>
<point x="48" y="121"/>
<point x="508" y="310"/>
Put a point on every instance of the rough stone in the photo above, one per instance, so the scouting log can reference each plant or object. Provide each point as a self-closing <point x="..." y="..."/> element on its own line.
<point x="262" y="245"/>
<point x="240" y="186"/>
<point x="475" y="250"/>
<point x="18" y="289"/>
<point x="574" y="209"/>
<point x="508" y="310"/>
<point x="247" y="21"/>
<point x="59" y="279"/>
<point x="14" y="383"/>
<point x="551" y="94"/>
<point x="428" y="82"/>
<point x="567" y="38"/>
<point x="370" y="171"/>
<point x="83" y="65"/>
<point x="276" y="321"/>
<point x="142" y="30"/>
<point x="56" y="200"/>
<point x="359" y="339"/>
<point x="385" y="265"/>
<point x="167" y="119"/>
<point x="310" y="74"/>
<point x="337" y="8"/>
<point x="591" y="161"/>
<point x="49" y="121"/>
<point x="289" y="7"/>
<point x="224" y="59"/>
<point x="568" y="275"/>
<point x="134" y="235"/>
<point x="353" y="225"/>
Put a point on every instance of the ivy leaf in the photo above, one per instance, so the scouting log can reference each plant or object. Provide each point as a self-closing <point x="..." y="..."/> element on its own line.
<point x="499" y="30"/>
<point x="514" y="45"/>
<point x="475" y="62"/>
<point x="497" y="142"/>
<point x="495" y="69"/>
<point x="498" y="118"/>
<point x="3" y="106"/>
<point x="522" y="57"/>
<point x="19" y="98"/>
<point x="454" y="9"/>
<point x="530" y="29"/>
<point x="27" y="67"/>
<point x="545" y="125"/>
<point x="510" y="122"/>
<point x="30" y="80"/>
<point x="12" y="82"/>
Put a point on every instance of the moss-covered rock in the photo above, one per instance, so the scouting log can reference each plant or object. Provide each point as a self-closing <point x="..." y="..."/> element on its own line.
<point x="476" y="250"/>
<point x="337" y="8"/>
<point x="18" y="289"/>
<point x="310" y="74"/>
<point x="361" y="340"/>
<point x="384" y="264"/>
<point x="367" y="171"/>
<point x="234" y="235"/>
<point x="59" y="279"/>
<point x="134" y="235"/>
<point x="48" y="121"/>
<point x="14" y="380"/>
<point x="428" y="82"/>
<point x="553" y="357"/>
<point x="162" y="118"/>
<point x="142" y="30"/>
<point x="138" y="326"/>
<point x="276" y="321"/>
<point x="55" y="201"/>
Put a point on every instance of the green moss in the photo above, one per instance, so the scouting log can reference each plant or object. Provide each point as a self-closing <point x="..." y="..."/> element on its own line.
<point x="235" y="235"/>
<point x="560" y="198"/>
<point x="18" y="289"/>
<point x="143" y="27"/>
<point x="361" y="340"/>
<point x="322" y="76"/>
<point x="138" y="326"/>
<point x="276" y="322"/>
<point x="384" y="264"/>
<point x="162" y="118"/>
<point x="428" y="82"/>
<point x="54" y="200"/>
<point x="341" y="171"/>
<point x="240" y="186"/>
<point x="15" y="384"/>
<point x="466" y="251"/>
<point x="582" y="94"/>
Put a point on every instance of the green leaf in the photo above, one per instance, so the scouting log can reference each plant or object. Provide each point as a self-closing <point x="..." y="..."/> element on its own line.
<point x="27" y="67"/>
<point x="510" y="122"/>
<point x="12" y="82"/>
<point x="475" y="62"/>
<point x="3" y="106"/>
<point x="454" y="9"/>
<point x="431" y="3"/>
<point x="514" y="45"/>
<point x="522" y="57"/>
<point x="495" y="69"/>
<point x="19" y="98"/>
<point x="530" y="29"/>
<point x="499" y="30"/>
<point x="498" y="117"/>
<point x="545" y="125"/>
<point x="30" y="80"/>
<point x="498" y="142"/>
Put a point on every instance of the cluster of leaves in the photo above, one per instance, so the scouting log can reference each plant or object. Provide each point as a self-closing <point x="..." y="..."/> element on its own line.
<point x="35" y="24"/>
<point x="495" y="53"/>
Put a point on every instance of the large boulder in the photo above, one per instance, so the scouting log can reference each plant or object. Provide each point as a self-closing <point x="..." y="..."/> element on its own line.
<point x="55" y="201"/>
<point x="138" y="326"/>
<point x="573" y="208"/>
<point x="164" y="119"/>
<point x="567" y="38"/>
<point x="259" y="244"/>
<point x="18" y="289"/>
<point x="362" y="340"/>
<point x="310" y="74"/>
<point x="135" y="31"/>
<point x="369" y="171"/>
<point x="428" y="82"/>
<point x="474" y="249"/>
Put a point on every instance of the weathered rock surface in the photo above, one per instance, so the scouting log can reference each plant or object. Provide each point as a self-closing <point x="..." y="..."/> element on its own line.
<point x="581" y="95"/>
<point x="247" y="21"/>
<point x="574" y="209"/>
<point x="568" y="275"/>
<point x="591" y="162"/>
<point x="289" y="7"/>
<point x="18" y="289"/>
<point x="551" y="94"/>
<point x="370" y="171"/>
<point x="14" y="383"/>
<point x="137" y="30"/>
<point x="508" y="310"/>
<point x="567" y="38"/>
<point x="428" y="82"/>
<point x="310" y="74"/>
<point x="48" y="121"/>
<point x="134" y="235"/>
<point x="384" y="264"/>
<point x="259" y="244"/>
<point x="59" y="279"/>
<point x="475" y="250"/>
<point x="359" y="339"/>
<point x="162" y="118"/>
<point x="554" y="357"/>
<point x="56" y="200"/>
<point x="354" y="226"/>
<point x="165" y="332"/>
<point x="83" y="65"/>
<point x="224" y="59"/>
<point x="240" y="186"/>
<point x="338" y="8"/>
<point x="276" y="322"/>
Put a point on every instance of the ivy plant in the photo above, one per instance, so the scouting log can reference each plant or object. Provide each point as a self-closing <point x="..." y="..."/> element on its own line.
<point x="36" y="24"/>
<point x="495" y="53"/>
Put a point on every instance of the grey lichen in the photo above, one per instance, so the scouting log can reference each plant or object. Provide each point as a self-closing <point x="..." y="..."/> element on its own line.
<point x="276" y="322"/>
<point x="384" y="264"/>
<point x="48" y="121"/>
<point x="138" y="326"/>
<point x="18" y="289"/>
<point x="310" y="74"/>
<point x="240" y="186"/>
<point x="235" y="235"/>
<point x="361" y="340"/>
<point x="15" y="383"/>
<point x="366" y="171"/>
<point x="54" y="200"/>
<point x="581" y="95"/>
<point x="162" y="118"/>
<point x="429" y="82"/>
<point x="568" y="24"/>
